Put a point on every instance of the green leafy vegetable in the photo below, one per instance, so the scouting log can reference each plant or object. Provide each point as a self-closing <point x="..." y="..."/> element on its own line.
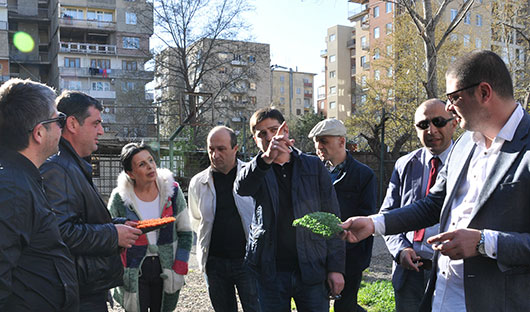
<point x="322" y="223"/>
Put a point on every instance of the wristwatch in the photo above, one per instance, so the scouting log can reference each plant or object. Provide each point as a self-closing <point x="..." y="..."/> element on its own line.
<point x="480" y="246"/>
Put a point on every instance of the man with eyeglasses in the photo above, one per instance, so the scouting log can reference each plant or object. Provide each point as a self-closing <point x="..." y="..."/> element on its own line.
<point x="481" y="198"/>
<point x="36" y="269"/>
<point x="411" y="180"/>
<point x="85" y="223"/>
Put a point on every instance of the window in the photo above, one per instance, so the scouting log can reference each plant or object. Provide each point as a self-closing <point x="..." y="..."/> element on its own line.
<point x="306" y="80"/>
<point x="322" y="105"/>
<point x="363" y="60"/>
<point x="390" y="72"/>
<point x="72" y="62"/>
<point x="74" y="85"/>
<point x="332" y="58"/>
<point x="454" y="37"/>
<point x="388" y="28"/>
<point x="389" y="50"/>
<point x="376" y="32"/>
<point x="298" y="101"/>
<point x="223" y="55"/>
<point x="453" y="14"/>
<point x="99" y="16"/>
<point x="466" y="40"/>
<point x="363" y="81"/>
<point x="100" y="86"/>
<point x="388" y="7"/>
<point x="127" y="86"/>
<point x="131" y="43"/>
<point x="377" y="74"/>
<point x="306" y="103"/>
<point x="390" y="93"/>
<point x="364" y="44"/>
<point x="478" y="43"/>
<point x="100" y="63"/>
<point x="252" y="59"/>
<point x="332" y="105"/>
<point x="282" y="90"/>
<point x="332" y="74"/>
<point x="298" y="111"/>
<point x="282" y="78"/>
<point x="129" y="65"/>
<point x="72" y="13"/>
<point x="130" y="18"/>
<point x="332" y="90"/>
<point x="252" y="100"/>
<point x="252" y="86"/>
<point x="376" y="11"/>
<point x="467" y="18"/>
<point x="297" y="90"/>
<point x="376" y="54"/>
<point x="331" y="37"/>
<point x="479" y="20"/>
<point x="363" y="98"/>
<point x="282" y="100"/>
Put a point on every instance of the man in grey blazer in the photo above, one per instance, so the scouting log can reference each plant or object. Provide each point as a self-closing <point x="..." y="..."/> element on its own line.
<point x="481" y="197"/>
<point x="410" y="181"/>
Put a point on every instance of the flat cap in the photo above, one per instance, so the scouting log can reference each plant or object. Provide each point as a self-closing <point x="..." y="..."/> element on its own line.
<point x="330" y="126"/>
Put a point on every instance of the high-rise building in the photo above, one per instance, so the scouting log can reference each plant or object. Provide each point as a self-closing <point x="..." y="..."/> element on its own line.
<point x="352" y="50"/>
<point x="97" y="47"/>
<point x="291" y="91"/>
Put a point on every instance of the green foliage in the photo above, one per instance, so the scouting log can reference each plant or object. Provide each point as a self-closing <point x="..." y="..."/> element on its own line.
<point x="377" y="296"/>
<point x="299" y="129"/>
<point x="322" y="223"/>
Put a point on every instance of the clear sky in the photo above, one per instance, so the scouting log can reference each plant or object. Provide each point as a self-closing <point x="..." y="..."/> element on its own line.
<point x="296" y="29"/>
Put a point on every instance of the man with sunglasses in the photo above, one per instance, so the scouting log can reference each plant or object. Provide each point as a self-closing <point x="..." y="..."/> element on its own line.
<point x="482" y="255"/>
<point x="36" y="269"/>
<point x="85" y="223"/>
<point x="411" y="179"/>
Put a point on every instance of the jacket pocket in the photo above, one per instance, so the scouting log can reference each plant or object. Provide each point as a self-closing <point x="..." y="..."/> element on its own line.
<point x="173" y="281"/>
<point x="68" y="286"/>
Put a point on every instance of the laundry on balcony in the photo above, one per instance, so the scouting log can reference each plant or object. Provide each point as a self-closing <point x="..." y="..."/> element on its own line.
<point x="104" y="72"/>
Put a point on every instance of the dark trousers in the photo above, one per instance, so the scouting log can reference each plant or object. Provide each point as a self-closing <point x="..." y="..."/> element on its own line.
<point x="94" y="302"/>
<point x="150" y="285"/>
<point x="275" y="296"/>
<point x="409" y="296"/>
<point x="348" y="300"/>
<point x="221" y="277"/>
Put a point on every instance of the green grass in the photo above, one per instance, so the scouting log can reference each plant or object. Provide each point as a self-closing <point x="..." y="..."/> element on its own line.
<point x="376" y="296"/>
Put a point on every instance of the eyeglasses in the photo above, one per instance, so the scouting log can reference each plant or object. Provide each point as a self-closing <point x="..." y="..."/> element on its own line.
<point x="438" y="122"/>
<point x="60" y="120"/>
<point x="452" y="97"/>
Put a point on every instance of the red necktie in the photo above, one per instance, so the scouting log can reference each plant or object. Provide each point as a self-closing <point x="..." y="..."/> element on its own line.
<point x="435" y="162"/>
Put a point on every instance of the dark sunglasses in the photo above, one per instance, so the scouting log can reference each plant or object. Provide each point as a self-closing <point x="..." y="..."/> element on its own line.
<point x="60" y="120"/>
<point x="438" y="122"/>
<point x="452" y="97"/>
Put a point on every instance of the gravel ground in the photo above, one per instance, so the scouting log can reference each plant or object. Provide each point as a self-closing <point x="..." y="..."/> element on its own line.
<point x="194" y="295"/>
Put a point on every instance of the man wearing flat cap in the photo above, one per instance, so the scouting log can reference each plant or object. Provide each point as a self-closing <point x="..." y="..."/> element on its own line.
<point x="355" y="185"/>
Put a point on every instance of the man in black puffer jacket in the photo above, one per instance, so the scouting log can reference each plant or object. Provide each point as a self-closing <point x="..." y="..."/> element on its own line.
<point x="84" y="221"/>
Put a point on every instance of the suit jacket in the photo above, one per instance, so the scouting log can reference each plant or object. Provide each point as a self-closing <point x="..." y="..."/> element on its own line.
<point x="504" y="205"/>
<point x="356" y="192"/>
<point x="405" y="187"/>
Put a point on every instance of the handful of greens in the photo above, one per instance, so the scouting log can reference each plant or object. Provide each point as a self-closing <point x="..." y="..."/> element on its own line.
<point x="322" y="223"/>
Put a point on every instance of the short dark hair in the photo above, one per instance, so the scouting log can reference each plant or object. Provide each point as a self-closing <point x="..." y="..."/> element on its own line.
<point x="75" y="103"/>
<point x="23" y="104"/>
<point x="264" y="113"/>
<point x="482" y="66"/>
<point x="233" y="136"/>
<point x="131" y="149"/>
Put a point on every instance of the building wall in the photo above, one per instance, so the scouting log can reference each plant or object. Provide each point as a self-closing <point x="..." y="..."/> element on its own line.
<point x="299" y="84"/>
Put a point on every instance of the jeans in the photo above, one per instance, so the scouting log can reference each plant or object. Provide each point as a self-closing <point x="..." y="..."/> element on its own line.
<point x="275" y="296"/>
<point x="348" y="301"/>
<point x="94" y="302"/>
<point x="150" y="285"/>
<point x="408" y="297"/>
<point x="221" y="277"/>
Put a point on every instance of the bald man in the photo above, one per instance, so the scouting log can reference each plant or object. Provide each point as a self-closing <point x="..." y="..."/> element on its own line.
<point x="221" y="218"/>
<point x="410" y="181"/>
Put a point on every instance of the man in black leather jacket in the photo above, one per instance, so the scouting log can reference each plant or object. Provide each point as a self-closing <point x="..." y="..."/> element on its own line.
<point x="84" y="221"/>
<point x="36" y="269"/>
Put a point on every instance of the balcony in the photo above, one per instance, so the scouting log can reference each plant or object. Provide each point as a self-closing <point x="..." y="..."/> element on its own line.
<point x="308" y="95"/>
<point x="238" y="63"/>
<point x="366" y="65"/>
<point x="28" y="12"/>
<point x="102" y="94"/>
<point x="358" y="11"/>
<point x="28" y="58"/>
<point x="308" y="85"/>
<point x="88" y="48"/>
<point x="323" y="53"/>
<point x="365" y="47"/>
<point x="108" y="73"/>
<point x="67" y="21"/>
<point x="350" y="43"/>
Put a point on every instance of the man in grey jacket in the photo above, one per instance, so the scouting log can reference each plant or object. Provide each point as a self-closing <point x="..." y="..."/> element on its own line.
<point x="221" y="219"/>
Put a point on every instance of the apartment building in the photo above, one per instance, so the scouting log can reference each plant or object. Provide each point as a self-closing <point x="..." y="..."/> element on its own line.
<point x="369" y="37"/>
<point x="98" y="47"/>
<point x="234" y="82"/>
<point x="291" y="91"/>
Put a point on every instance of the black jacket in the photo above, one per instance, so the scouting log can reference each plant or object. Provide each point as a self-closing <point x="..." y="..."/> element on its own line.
<point x="356" y="191"/>
<point x="85" y="223"/>
<point x="36" y="269"/>
<point x="312" y="191"/>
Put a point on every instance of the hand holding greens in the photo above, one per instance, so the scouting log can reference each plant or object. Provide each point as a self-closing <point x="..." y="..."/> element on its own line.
<point x="322" y="223"/>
